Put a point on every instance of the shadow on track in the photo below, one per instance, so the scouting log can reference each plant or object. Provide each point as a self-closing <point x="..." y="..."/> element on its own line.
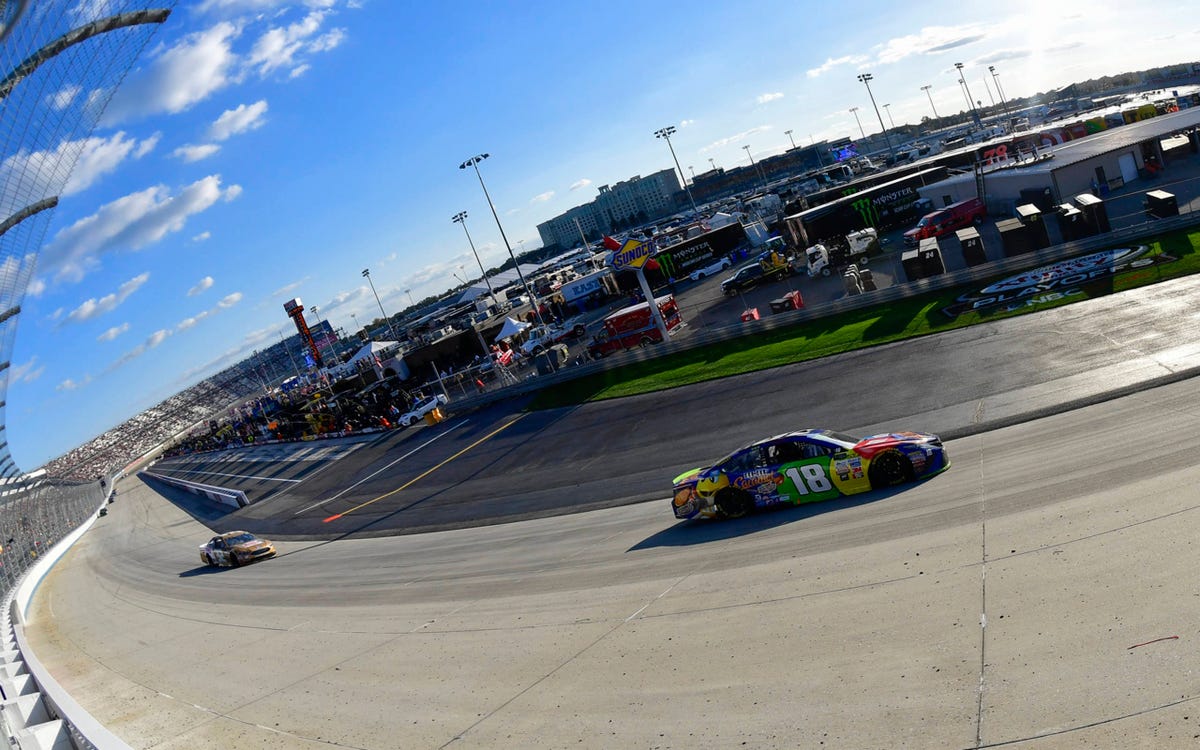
<point x="699" y="531"/>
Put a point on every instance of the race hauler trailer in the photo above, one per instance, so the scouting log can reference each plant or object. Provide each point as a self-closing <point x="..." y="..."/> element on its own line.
<point x="678" y="260"/>
<point x="883" y="206"/>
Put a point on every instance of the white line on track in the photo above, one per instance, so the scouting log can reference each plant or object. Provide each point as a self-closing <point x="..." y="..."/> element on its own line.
<point x="382" y="468"/>
<point x="235" y="476"/>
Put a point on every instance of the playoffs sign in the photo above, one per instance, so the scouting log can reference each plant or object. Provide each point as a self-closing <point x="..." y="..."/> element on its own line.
<point x="1054" y="282"/>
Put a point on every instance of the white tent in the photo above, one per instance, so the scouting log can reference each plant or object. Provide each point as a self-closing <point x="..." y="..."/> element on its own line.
<point x="369" y="351"/>
<point x="510" y="328"/>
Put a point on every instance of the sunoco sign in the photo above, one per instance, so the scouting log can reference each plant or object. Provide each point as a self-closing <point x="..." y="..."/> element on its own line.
<point x="1054" y="282"/>
<point x="633" y="254"/>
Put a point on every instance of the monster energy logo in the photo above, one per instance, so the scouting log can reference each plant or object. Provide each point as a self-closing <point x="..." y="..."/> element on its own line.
<point x="667" y="263"/>
<point x="866" y="210"/>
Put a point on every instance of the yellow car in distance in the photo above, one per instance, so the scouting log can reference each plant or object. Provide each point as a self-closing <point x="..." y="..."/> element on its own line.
<point x="235" y="548"/>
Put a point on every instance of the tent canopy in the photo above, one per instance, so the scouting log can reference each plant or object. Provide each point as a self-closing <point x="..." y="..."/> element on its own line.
<point x="368" y="351"/>
<point x="510" y="328"/>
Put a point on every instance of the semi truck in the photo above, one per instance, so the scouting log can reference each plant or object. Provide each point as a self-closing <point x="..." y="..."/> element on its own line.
<point x="882" y="207"/>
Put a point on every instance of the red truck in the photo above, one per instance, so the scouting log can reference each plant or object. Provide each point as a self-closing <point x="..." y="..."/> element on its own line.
<point x="947" y="220"/>
<point x="634" y="326"/>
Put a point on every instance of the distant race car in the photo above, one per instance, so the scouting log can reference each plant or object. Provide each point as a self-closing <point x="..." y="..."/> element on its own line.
<point x="420" y="410"/>
<point x="234" y="548"/>
<point x="804" y="467"/>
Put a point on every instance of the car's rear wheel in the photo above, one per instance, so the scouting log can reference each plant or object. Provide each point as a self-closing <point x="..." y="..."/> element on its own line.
<point x="826" y="271"/>
<point x="537" y="350"/>
<point x="890" y="469"/>
<point x="734" y="504"/>
<point x="579" y="330"/>
<point x="645" y="341"/>
<point x="234" y="561"/>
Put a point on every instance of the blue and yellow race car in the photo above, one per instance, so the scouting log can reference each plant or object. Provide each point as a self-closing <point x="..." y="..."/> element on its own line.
<point x="804" y="467"/>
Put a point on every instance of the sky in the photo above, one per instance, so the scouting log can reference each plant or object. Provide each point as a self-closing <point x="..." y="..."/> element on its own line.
<point x="262" y="150"/>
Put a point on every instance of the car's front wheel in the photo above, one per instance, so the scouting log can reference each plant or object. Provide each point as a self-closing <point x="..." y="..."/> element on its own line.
<point x="734" y="504"/>
<point x="890" y="469"/>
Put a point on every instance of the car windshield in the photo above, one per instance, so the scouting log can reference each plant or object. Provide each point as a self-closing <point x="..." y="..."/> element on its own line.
<point x="841" y="438"/>
<point x="927" y="220"/>
<point x="243" y="538"/>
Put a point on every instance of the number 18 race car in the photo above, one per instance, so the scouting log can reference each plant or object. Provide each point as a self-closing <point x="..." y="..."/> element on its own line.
<point x="804" y="467"/>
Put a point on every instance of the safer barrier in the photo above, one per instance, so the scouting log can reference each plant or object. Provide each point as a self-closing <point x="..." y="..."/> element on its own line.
<point x="234" y="498"/>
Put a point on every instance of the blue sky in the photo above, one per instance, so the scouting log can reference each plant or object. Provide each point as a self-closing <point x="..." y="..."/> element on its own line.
<point x="266" y="149"/>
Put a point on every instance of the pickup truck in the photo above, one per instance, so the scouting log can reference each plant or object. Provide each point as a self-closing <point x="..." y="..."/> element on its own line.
<point x="545" y="336"/>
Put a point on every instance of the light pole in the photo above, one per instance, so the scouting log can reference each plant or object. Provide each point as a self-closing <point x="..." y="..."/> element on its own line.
<point x="788" y="133"/>
<point x="866" y="79"/>
<point x="461" y="218"/>
<point x="410" y="299"/>
<point x="665" y="134"/>
<point x="926" y="90"/>
<point x="863" y="133"/>
<point x="999" y="90"/>
<point x="970" y="99"/>
<point x="367" y="275"/>
<point x="474" y="163"/>
<point x="713" y="163"/>
<point x="757" y="171"/>
<point x="693" y="171"/>
<point x="962" y="88"/>
<point x="887" y="108"/>
<point x="989" y="90"/>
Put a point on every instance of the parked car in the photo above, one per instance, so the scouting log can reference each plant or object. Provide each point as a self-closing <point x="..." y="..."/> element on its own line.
<point x="634" y="326"/>
<point x="947" y="220"/>
<point x="752" y="275"/>
<point x="715" y="267"/>
<point x="544" y="336"/>
<point x="421" y="409"/>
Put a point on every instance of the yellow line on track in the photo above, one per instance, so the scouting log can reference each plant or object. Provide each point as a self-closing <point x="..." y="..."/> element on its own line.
<point x="427" y="472"/>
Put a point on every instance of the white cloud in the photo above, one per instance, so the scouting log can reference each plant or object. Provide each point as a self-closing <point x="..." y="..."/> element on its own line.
<point x="202" y="236"/>
<point x="289" y="288"/>
<point x="685" y="123"/>
<point x="201" y="286"/>
<point x="97" y="157"/>
<point x="735" y="138"/>
<point x="765" y="98"/>
<point x="240" y="120"/>
<point x="93" y="308"/>
<point x="542" y="197"/>
<point x="27" y="372"/>
<point x="128" y="223"/>
<point x="831" y="63"/>
<point x="929" y="40"/>
<point x="282" y="46"/>
<point x="113" y="332"/>
<point x="71" y="385"/>
<point x="577" y="184"/>
<point x="344" y="298"/>
<point x="299" y="70"/>
<point x="191" y="71"/>
<point x="231" y="193"/>
<point x="62" y="98"/>
<point x="230" y="300"/>
<point x="242" y="6"/>
<point x="192" y="153"/>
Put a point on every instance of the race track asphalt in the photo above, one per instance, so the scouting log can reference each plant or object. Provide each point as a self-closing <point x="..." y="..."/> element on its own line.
<point x="501" y="464"/>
